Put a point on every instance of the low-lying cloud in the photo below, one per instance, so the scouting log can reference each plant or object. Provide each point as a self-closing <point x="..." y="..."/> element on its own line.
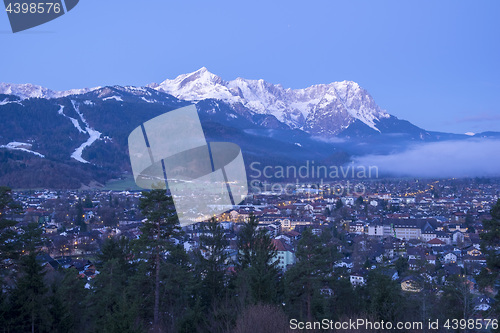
<point x="467" y="158"/>
<point x="328" y="140"/>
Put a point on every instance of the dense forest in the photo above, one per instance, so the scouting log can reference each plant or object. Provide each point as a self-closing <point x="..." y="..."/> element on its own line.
<point x="151" y="284"/>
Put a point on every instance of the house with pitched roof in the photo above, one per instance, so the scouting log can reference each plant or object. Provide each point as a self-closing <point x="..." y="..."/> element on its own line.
<point x="436" y="242"/>
<point x="285" y="255"/>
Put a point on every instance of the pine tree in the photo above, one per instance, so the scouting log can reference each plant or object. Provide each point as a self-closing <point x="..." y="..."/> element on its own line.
<point x="491" y="240"/>
<point x="490" y="246"/>
<point x="338" y="204"/>
<point x="161" y="225"/>
<point x="87" y="203"/>
<point x="304" y="280"/>
<point x="8" y="245"/>
<point x="114" y="310"/>
<point x="401" y="265"/>
<point x="4" y="311"/>
<point x="59" y="318"/>
<point x="212" y="262"/>
<point x="257" y="262"/>
<point x="80" y="214"/>
<point x="384" y="297"/>
<point x="178" y="287"/>
<point x="28" y="296"/>
<point x="346" y="300"/>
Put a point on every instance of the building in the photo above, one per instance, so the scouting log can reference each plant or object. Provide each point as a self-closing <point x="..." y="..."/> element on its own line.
<point x="357" y="279"/>
<point x="357" y="227"/>
<point x="436" y="242"/>
<point x="408" y="229"/>
<point x="450" y="258"/>
<point x="379" y="230"/>
<point x="285" y="255"/>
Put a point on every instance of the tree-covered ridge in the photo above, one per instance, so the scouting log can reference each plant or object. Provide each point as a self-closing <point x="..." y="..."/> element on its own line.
<point x="55" y="128"/>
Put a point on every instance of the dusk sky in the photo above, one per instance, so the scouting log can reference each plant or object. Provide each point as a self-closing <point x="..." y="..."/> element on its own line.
<point x="434" y="63"/>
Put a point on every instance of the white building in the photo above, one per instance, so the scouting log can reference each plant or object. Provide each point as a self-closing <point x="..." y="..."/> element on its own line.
<point x="357" y="280"/>
<point x="285" y="255"/>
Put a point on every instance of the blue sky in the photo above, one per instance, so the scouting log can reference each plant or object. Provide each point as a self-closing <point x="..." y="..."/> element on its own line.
<point x="434" y="63"/>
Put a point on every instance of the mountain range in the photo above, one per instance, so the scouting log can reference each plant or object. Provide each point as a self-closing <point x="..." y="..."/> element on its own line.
<point x="69" y="139"/>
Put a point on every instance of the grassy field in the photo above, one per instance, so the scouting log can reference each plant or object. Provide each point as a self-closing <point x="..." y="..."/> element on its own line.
<point x="125" y="184"/>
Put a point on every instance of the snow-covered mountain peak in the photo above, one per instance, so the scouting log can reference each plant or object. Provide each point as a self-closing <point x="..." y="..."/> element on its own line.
<point x="25" y="90"/>
<point x="28" y="90"/>
<point x="343" y="101"/>
<point x="201" y="75"/>
<point x="322" y="109"/>
<point x="195" y="86"/>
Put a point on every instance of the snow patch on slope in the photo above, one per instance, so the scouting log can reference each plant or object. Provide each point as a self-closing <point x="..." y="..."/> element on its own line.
<point x="148" y="100"/>
<point x="22" y="146"/>
<point x="116" y="98"/>
<point x="94" y="135"/>
<point x="73" y="120"/>
<point x="6" y="101"/>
